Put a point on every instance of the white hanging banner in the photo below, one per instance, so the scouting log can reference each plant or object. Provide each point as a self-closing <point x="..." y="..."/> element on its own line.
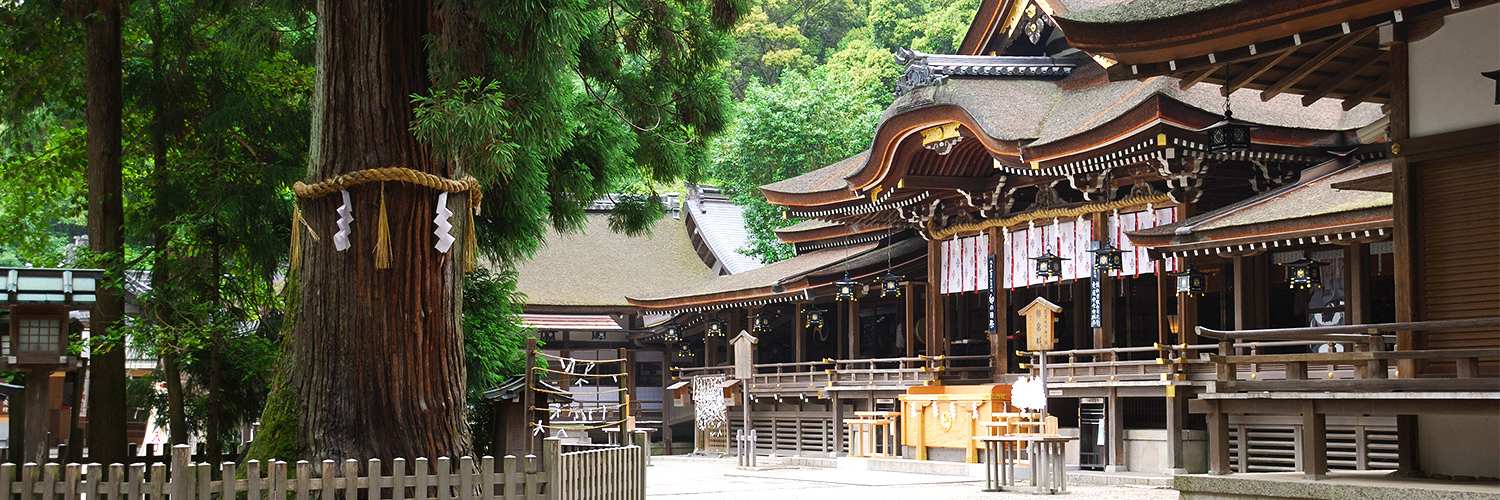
<point x="346" y="217"/>
<point x="1136" y="261"/>
<point x="965" y="264"/>
<point x="444" y="230"/>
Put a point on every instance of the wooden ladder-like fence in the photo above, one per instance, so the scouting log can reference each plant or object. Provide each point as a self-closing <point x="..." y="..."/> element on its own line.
<point x="603" y="473"/>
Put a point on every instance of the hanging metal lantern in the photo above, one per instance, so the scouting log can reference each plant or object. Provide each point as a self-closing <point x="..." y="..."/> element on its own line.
<point x="1305" y="273"/>
<point x="761" y="324"/>
<point x="844" y="288"/>
<point x="1106" y="257"/>
<point x="685" y="353"/>
<point x="814" y="320"/>
<point x="1190" y="282"/>
<point x="715" y="329"/>
<point x="671" y="335"/>
<point x="1048" y="265"/>
<point x="890" y="285"/>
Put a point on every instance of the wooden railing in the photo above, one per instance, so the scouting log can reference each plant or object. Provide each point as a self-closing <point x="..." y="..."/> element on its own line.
<point x="1366" y="355"/>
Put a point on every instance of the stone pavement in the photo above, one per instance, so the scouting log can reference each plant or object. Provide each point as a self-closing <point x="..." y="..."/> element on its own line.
<point x="680" y="478"/>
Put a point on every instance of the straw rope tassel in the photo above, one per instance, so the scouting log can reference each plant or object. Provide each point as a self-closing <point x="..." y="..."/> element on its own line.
<point x="382" y="236"/>
<point x="471" y="241"/>
<point x="294" y="255"/>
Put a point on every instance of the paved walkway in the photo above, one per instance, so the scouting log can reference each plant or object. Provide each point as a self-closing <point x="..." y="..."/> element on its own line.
<point x="690" y="479"/>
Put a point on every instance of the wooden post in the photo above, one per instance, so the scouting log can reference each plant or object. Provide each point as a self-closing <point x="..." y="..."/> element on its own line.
<point x="529" y="400"/>
<point x="841" y="339"/>
<point x="854" y="328"/>
<point x="1218" y="440"/>
<point x="1356" y="298"/>
<point x="38" y="396"/>
<point x="909" y="320"/>
<point x="1408" y="458"/>
<point x="999" y="341"/>
<point x="838" y="423"/>
<point x="551" y="466"/>
<point x="180" y="484"/>
<point x="799" y="337"/>
<point x="1404" y="201"/>
<point x="627" y="383"/>
<point x="1163" y="298"/>
<point x="1115" y="419"/>
<point x="666" y="399"/>
<point x="1104" y="335"/>
<point x="1313" y="459"/>
<point x="934" y="299"/>
<point x="1175" y="405"/>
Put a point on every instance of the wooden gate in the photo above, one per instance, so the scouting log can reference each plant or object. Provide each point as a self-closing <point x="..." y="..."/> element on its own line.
<point x="614" y="473"/>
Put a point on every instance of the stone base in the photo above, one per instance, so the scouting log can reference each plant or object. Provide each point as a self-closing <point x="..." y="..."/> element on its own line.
<point x="1365" y="485"/>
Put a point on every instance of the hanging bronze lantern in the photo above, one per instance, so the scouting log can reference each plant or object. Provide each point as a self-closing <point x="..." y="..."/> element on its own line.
<point x="761" y="324"/>
<point x="814" y="320"/>
<point x="685" y="353"/>
<point x="715" y="329"/>
<point x="1106" y="257"/>
<point x="671" y="335"/>
<point x="1305" y="274"/>
<point x="844" y="288"/>
<point x="1048" y="265"/>
<point x="890" y="285"/>
<point x="1190" y="282"/>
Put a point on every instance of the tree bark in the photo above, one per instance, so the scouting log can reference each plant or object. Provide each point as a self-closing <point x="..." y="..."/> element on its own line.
<point x="374" y="361"/>
<point x="102" y="82"/>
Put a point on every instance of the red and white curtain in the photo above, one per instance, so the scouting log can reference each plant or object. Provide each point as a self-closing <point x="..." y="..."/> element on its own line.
<point x="1135" y="260"/>
<point x="1068" y="239"/>
<point x="965" y="264"/>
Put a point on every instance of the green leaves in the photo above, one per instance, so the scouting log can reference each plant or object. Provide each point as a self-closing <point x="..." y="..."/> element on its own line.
<point x="469" y="126"/>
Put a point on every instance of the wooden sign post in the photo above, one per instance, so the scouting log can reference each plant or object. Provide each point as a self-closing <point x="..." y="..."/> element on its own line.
<point x="1041" y="315"/>
<point x="743" y="346"/>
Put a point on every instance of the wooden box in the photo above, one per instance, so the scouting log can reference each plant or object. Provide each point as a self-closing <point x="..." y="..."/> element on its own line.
<point x="950" y="416"/>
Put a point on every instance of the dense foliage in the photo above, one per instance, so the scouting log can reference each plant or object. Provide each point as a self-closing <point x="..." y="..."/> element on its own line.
<point x="815" y="76"/>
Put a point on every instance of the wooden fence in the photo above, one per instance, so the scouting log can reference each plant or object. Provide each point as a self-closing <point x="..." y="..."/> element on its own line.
<point x="617" y="473"/>
<point x="607" y="473"/>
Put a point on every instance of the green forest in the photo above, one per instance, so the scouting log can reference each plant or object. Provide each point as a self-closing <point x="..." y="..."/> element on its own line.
<point x="216" y="101"/>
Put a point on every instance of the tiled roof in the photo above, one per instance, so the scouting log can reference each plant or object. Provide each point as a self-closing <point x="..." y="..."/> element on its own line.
<point x="598" y="267"/>
<point x="721" y="224"/>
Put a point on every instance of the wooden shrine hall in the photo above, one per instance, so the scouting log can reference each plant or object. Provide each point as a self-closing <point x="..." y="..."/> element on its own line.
<point x="1026" y="167"/>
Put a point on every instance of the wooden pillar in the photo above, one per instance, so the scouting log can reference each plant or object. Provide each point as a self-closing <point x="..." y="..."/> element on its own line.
<point x="999" y="341"/>
<point x="1408" y="456"/>
<point x="1356" y="297"/>
<point x="838" y="423"/>
<point x="1312" y="459"/>
<point x="1104" y="335"/>
<point x="1164" y="291"/>
<point x="841" y="338"/>
<point x="799" y="337"/>
<point x="934" y="298"/>
<point x="666" y="397"/>
<point x="38" y="396"/>
<point x="1083" y="334"/>
<point x="909" y="320"/>
<point x="1218" y="440"/>
<point x="854" y="328"/>
<point x="528" y="400"/>
<point x="1176" y="401"/>
<point x="1404" y="201"/>
<point x="1114" y="417"/>
<point x="1242" y="292"/>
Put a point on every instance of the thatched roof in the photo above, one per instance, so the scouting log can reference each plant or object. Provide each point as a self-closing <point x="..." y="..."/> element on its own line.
<point x="598" y="267"/>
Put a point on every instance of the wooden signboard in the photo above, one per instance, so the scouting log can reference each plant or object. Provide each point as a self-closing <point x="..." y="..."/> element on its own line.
<point x="1041" y="315"/>
<point x="744" y="354"/>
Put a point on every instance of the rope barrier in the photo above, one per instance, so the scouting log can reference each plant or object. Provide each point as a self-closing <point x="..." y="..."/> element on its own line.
<point x="575" y="374"/>
<point x="564" y="393"/>
<point x="594" y="361"/>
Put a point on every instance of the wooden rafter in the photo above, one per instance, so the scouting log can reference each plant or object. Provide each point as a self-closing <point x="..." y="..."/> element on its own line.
<point x="1340" y="78"/>
<point x="1241" y="80"/>
<point x="1365" y="94"/>
<point x="1197" y="77"/>
<point x="1338" y="46"/>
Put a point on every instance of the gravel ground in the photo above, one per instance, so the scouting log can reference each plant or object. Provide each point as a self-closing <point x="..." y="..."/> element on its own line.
<point x="681" y="479"/>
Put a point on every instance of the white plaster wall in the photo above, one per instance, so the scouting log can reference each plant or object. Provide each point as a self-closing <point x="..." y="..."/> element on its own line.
<point x="1459" y="445"/>
<point x="1447" y="92"/>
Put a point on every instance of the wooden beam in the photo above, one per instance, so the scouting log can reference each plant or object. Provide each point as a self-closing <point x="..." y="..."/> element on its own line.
<point x="1197" y="77"/>
<point x="1338" y="79"/>
<point x="1241" y="80"/>
<point x="1364" y="94"/>
<point x="1328" y="53"/>
<point x="1403" y="241"/>
<point x="799" y="336"/>
<point x="999" y="347"/>
<point x="941" y="182"/>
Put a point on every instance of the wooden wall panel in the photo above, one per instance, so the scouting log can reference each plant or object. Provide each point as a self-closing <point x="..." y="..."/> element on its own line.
<point x="1458" y="246"/>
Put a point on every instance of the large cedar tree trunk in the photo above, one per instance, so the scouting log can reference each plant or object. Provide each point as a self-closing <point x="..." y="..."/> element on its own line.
<point x="374" y="361"/>
<point x="106" y="434"/>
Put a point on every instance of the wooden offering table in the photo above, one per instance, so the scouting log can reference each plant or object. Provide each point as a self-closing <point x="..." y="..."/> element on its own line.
<point x="950" y="416"/>
<point x="1048" y="461"/>
<point x="873" y="434"/>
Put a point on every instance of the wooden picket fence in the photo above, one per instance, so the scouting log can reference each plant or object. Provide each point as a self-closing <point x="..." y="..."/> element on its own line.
<point x="609" y="473"/>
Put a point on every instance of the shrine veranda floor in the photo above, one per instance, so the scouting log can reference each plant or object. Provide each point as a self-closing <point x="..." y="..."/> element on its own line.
<point x="706" y="478"/>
